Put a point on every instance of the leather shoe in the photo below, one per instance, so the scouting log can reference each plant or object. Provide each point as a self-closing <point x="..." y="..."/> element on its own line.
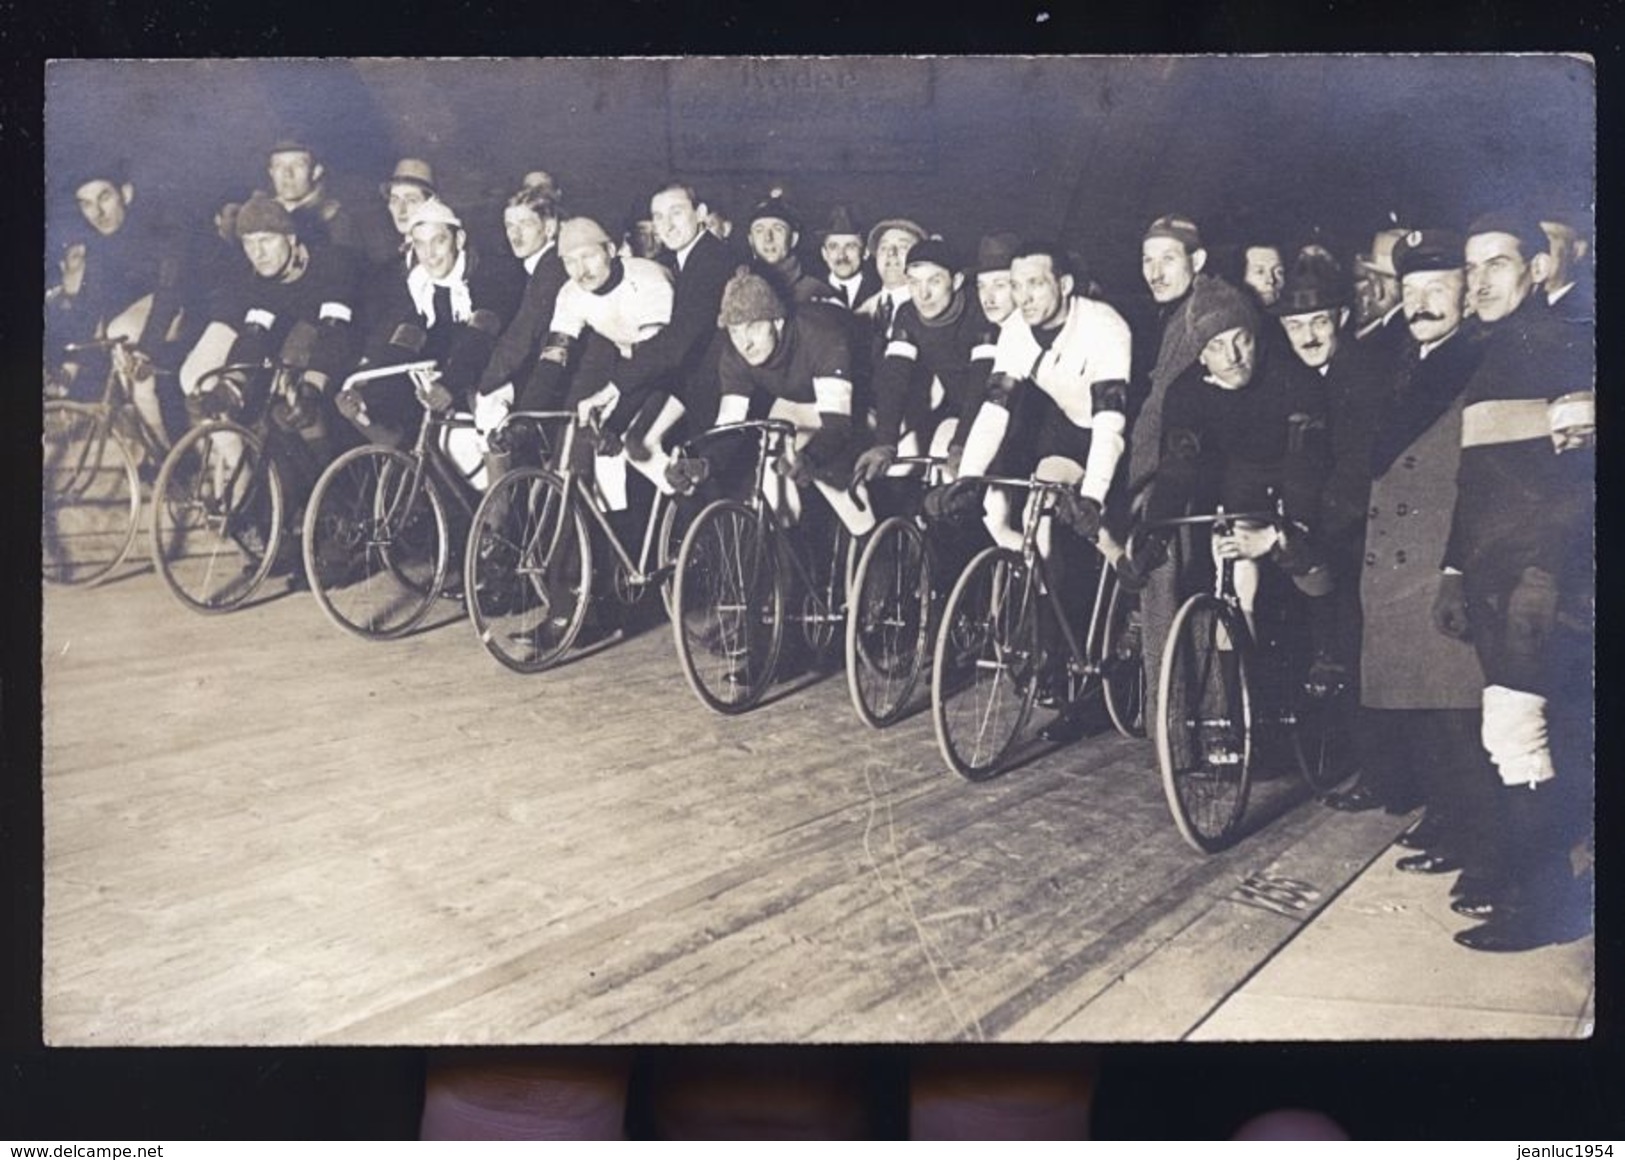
<point x="1517" y="930"/>
<point x="1474" y="906"/>
<point x="1420" y="836"/>
<point x="1427" y="864"/>
<point x="1354" y="801"/>
<point x="1075" y="722"/>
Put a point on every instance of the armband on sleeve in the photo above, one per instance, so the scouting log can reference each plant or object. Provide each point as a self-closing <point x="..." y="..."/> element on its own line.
<point x="1108" y="423"/>
<point x="557" y="348"/>
<point x="733" y="409"/>
<point x="1109" y="395"/>
<point x="833" y="396"/>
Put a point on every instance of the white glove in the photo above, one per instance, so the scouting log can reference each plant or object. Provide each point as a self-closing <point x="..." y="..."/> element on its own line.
<point x="601" y="402"/>
<point x="491" y="410"/>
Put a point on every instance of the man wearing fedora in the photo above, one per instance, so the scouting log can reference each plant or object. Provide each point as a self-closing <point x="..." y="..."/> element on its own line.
<point x="845" y="256"/>
<point x="408" y="186"/>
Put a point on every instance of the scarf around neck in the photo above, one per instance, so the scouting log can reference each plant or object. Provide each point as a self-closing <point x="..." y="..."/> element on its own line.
<point x="422" y="287"/>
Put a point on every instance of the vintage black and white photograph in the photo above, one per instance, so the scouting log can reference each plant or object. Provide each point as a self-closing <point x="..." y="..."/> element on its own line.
<point x="806" y="550"/>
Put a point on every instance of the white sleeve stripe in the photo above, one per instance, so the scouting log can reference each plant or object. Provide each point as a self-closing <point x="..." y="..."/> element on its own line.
<point x="833" y="396"/>
<point x="984" y="350"/>
<point x="897" y="348"/>
<point x="336" y="310"/>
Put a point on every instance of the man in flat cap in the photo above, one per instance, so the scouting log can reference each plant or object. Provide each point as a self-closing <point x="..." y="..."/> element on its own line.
<point x="1172" y="262"/>
<point x="798" y="365"/>
<point x="297" y="184"/>
<point x="889" y="244"/>
<point x="1517" y="575"/>
<point x="1420" y="691"/>
<point x="841" y="246"/>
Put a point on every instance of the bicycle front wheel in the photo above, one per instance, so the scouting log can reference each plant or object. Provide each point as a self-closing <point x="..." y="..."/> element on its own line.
<point x="217" y="517"/>
<point x="728" y="607"/>
<point x="1122" y="666"/>
<point x="888" y="625"/>
<point x="1204" y="728"/>
<point x="91" y="499"/>
<point x="528" y="570"/>
<point x="984" y="672"/>
<point x="376" y="544"/>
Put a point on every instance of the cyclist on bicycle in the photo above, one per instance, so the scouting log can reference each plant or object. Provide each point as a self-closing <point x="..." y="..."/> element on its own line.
<point x="292" y="302"/>
<point x="609" y="306"/>
<point x="1241" y="430"/>
<point x="1054" y="408"/>
<point x="531" y="219"/>
<point x="802" y="363"/>
<point x="450" y="308"/>
<point x="929" y="384"/>
<point x="119" y="278"/>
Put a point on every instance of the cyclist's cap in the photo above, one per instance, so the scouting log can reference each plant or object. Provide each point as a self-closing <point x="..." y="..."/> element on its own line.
<point x="1310" y="288"/>
<point x="748" y="298"/>
<point x="994" y="252"/>
<point x="578" y="232"/>
<point x="264" y="215"/>
<point x="1178" y="227"/>
<point x="1525" y="227"/>
<point x="936" y="252"/>
<point x="410" y="171"/>
<point x="904" y="224"/>
<point x="1422" y="250"/>
<point x="1218" y="309"/>
<point x="434" y="212"/>
<point x="776" y="207"/>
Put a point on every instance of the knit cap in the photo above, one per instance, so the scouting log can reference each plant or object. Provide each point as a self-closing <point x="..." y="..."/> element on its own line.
<point x="748" y="298"/>
<point x="263" y="215"/>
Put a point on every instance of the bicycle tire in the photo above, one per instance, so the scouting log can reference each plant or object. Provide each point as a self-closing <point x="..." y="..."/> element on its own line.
<point x="216" y="525"/>
<point x="671" y="543"/>
<point x="527" y="570"/>
<point x="823" y="608"/>
<point x="90" y="508"/>
<point x="1204" y="727"/>
<point x="1123" y="667"/>
<point x="888" y="623"/>
<point x="376" y="545"/>
<point x="985" y="665"/>
<point x="728" y="607"/>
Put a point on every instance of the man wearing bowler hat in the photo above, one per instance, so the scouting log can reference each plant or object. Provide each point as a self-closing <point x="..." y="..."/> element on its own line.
<point x="841" y="246"/>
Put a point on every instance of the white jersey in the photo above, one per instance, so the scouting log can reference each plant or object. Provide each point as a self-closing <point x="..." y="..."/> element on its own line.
<point x="637" y="308"/>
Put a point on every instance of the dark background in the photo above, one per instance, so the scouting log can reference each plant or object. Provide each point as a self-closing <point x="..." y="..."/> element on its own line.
<point x="1341" y="142"/>
<point x="1088" y="150"/>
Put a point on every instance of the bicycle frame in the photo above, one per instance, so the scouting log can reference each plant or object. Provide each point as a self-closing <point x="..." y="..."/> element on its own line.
<point x="117" y="399"/>
<point x="638" y="571"/>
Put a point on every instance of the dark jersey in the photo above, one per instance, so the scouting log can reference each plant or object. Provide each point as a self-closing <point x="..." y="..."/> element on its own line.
<point x="267" y="308"/>
<point x="813" y="347"/>
<point x="1237" y="447"/>
<point x="954" y="350"/>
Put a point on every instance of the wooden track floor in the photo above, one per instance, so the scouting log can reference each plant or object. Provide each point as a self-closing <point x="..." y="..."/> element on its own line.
<point x="260" y="830"/>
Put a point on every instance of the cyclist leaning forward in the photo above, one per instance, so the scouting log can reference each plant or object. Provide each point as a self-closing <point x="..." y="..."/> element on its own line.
<point x="1054" y="408"/>
<point x="795" y="367"/>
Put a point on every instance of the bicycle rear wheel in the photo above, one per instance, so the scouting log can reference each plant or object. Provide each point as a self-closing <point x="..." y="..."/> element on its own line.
<point x="1123" y="670"/>
<point x="728" y="604"/>
<point x="376" y="546"/>
<point x="831" y="560"/>
<point x="217" y="516"/>
<point x="889" y="622"/>
<point x="984" y="672"/>
<point x="528" y="570"/>
<point x="91" y="497"/>
<point x="1204" y="725"/>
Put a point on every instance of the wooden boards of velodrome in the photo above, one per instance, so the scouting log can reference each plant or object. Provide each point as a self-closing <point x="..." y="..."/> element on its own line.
<point x="259" y="830"/>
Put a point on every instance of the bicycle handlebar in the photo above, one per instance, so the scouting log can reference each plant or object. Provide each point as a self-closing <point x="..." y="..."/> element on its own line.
<point x="778" y="426"/>
<point x="369" y="374"/>
<point x="1030" y="483"/>
<point x="96" y="344"/>
<point x="1214" y="518"/>
<point x="221" y="372"/>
